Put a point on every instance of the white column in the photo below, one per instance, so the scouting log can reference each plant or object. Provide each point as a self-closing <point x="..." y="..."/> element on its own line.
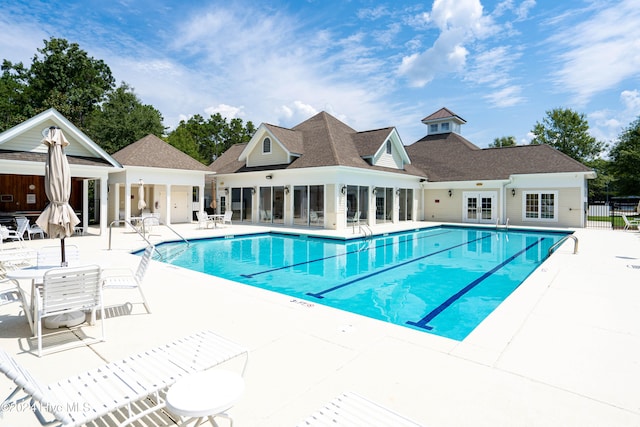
<point x="201" y="198"/>
<point x="169" y="205"/>
<point x="85" y="205"/>
<point x="127" y="201"/>
<point x="104" y="204"/>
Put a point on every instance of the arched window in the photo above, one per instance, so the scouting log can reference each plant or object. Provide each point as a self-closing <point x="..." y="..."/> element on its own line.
<point x="389" y="147"/>
<point x="266" y="145"/>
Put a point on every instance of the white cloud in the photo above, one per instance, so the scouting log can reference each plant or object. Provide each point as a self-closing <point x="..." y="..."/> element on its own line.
<point x="507" y="96"/>
<point x="607" y="124"/>
<point x="461" y="22"/>
<point x="599" y="53"/>
<point x="227" y="111"/>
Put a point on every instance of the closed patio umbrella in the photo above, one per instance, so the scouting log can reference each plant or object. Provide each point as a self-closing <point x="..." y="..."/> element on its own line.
<point x="58" y="219"/>
<point x="141" y="203"/>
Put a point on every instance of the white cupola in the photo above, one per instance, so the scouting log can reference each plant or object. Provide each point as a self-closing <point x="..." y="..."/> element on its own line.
<point x="443" y="121"/>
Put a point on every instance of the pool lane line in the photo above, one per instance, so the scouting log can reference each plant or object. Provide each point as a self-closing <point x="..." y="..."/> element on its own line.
<point x="284" y="267"/>
<point x="321" y="294"/>
<point x="423" y="323"/>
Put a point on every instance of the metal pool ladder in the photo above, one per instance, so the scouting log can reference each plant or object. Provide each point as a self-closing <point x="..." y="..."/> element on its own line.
<point x="557" y="244"/>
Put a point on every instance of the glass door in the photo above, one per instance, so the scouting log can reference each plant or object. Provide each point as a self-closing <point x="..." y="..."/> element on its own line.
<point x="479" y="207"/>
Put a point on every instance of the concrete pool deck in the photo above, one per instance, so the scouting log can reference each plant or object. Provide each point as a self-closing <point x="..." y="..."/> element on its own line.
<point x="562" y="350"/>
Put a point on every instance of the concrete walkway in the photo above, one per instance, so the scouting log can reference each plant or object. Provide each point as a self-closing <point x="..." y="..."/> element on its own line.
<point x="563" y="350"/>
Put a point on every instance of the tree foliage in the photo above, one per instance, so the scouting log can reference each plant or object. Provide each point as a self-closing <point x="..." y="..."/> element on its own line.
<point x="625" y="160"/>
<point x="206" y="140"/>
<point x="122" y="119"/>
<point x="66" y="78"/>
<point x="503" y="141"/>
<point x="13" y="95"/>
<point x="568" y="132"/>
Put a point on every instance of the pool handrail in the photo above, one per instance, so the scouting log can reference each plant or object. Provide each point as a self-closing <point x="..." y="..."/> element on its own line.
<point x="561" y="241"/>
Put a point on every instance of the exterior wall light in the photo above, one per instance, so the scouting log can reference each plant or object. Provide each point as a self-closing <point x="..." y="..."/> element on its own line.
<point x="513" y="192"/>
<point x="450" y="193"/>
<point x="269" y="176"/>
<point x="286" y="189"/>
<point x="343" y="190"/>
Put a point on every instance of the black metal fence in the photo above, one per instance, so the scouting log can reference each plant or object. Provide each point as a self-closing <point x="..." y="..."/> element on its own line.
<point x="608" y="214"/>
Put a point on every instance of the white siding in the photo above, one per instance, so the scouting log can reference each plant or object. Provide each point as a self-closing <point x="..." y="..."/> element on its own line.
<point x="31" y="141"/>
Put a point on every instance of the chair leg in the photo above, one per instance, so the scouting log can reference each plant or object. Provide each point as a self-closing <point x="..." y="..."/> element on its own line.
<point x="144" y="301"/>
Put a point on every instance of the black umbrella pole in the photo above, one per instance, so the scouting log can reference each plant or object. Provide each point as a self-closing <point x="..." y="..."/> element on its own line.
<point x="63" y="259"/>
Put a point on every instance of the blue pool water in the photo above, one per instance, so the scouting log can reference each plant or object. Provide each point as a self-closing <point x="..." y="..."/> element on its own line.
<point x="442" y="280"/>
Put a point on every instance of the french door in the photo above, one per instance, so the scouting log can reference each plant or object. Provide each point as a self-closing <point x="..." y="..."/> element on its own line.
<point x="479" y="207"/>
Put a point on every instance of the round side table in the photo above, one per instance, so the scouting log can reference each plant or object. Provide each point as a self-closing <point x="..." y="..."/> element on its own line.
<point x="205" y="394"/>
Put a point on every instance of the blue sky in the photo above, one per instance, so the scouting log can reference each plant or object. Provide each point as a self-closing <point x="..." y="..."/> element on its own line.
<point x="500" y="64"/>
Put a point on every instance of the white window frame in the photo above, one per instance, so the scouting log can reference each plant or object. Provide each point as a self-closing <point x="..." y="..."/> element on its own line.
<point x="433" y="128"/>
<point x="270" y="145"/>
<point x="540" y="193"/>
<point x="444" y="127"/>
<point x="388" y="147"/>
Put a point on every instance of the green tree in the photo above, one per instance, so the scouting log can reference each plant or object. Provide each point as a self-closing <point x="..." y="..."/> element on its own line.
<point x="568" y="132"/>
<point x="625" y="160"/>
<point x="205" y="140"/>
<point x="503" y="141"/>
<point x="64" y="77"/>
<point x="13" y="97"/>
<point x="122" y="119"/>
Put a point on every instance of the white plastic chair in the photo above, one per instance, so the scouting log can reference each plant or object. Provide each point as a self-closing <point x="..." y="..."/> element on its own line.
<point x="113" y="389"/>
<point x="114" y="278"/>
<point x="66" y="290"/>
<point x="51" y="256"/>
<point x="227" y="217"/>
<point x="30" y="228"/>
<point x="203" y="220"/>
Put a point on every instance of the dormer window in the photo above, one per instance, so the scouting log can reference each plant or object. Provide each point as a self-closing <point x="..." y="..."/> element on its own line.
<point x="433" y="128"/>
<point x="266" y="146"/>
<point x="388" y="147"/>
<point x="444" y="127"/>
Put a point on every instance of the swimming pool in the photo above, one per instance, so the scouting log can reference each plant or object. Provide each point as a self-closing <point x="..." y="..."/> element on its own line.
<point x="441" y="280"/>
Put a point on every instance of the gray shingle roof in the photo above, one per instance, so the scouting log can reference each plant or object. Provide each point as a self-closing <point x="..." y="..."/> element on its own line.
<point x="450" y="157"/>
<point x="443" y="113"/>
<point x="153" y="152"/>
<point x="320" y="141"/>
<point x="323" y="140"/>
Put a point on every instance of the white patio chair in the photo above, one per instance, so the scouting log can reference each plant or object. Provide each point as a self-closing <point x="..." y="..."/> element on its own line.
<point x="51" y="256"/>
<point x="227" y="218"/>
<point x="351" y="409"/>
<point x="66" y="290"/>
<point x="30" y="228"/>
<point x="119" y="278"/>
<point x="115" y="387"/>
<point x="203" y="220"/>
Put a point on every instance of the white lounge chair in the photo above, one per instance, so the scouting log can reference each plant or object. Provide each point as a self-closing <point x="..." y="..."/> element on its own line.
<point x="630" y="223"/>
<point x="126" y="279"/>
<point x="66" y="290"/>
<point x="30" y="228"/>
<point x="351" y="409"/>
<point x="17" y="234"/>
<point x="117" y="386"/>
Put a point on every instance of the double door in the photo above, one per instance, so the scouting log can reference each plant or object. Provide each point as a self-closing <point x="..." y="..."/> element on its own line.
<point x="479" y="207"/>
